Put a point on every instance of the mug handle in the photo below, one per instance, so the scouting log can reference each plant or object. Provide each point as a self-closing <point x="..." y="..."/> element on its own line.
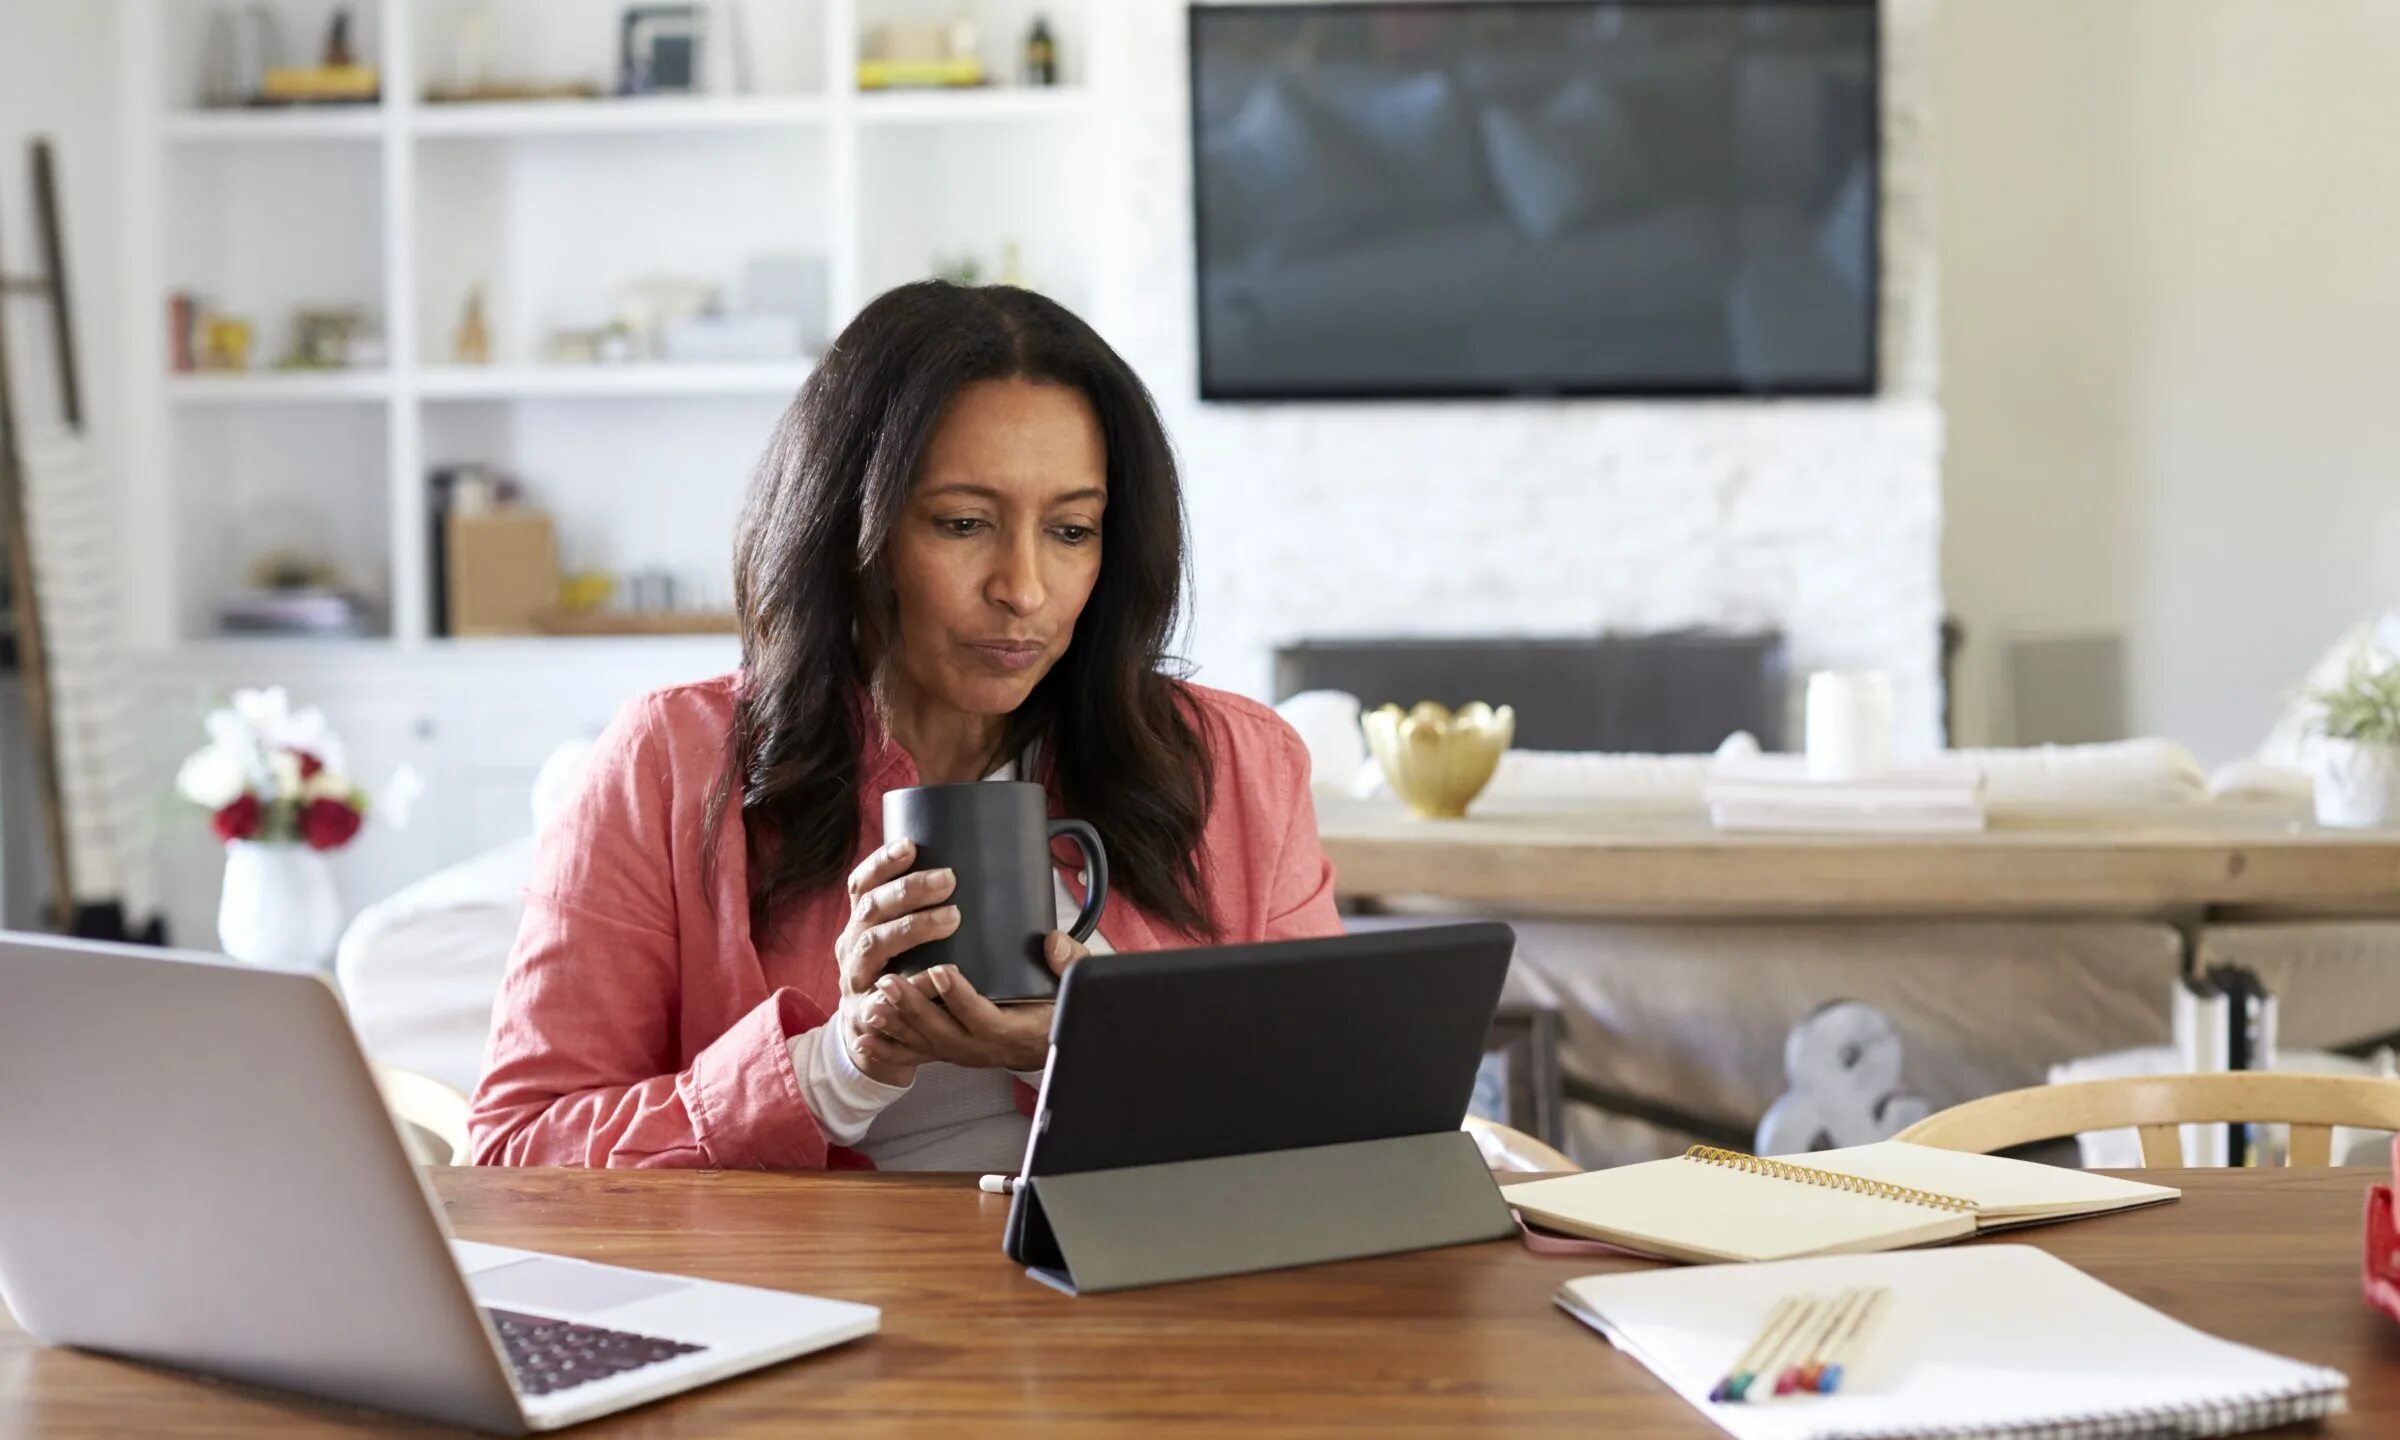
<point x="1095" y="864"/>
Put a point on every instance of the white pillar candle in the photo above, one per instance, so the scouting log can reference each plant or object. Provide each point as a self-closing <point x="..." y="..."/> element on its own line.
<point x="1849" y="724"/>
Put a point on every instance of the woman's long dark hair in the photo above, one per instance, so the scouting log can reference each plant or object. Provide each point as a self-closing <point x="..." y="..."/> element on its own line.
<point x="1117" y="745"/>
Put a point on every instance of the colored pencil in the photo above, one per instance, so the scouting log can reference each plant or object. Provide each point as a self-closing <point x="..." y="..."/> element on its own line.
<point x="1811" y="1367"/>
<point x="1806" y="1314"/>
<point x="1812" y="1337"/>
<point x="1809" y="1314"/>
<point x="1846" y="1350"/>
<point x="1770" y="1335"/>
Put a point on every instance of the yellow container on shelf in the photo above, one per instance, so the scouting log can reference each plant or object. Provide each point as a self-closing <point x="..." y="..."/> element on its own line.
<point x="320" y="83"/>
<point x="952" y="74"/>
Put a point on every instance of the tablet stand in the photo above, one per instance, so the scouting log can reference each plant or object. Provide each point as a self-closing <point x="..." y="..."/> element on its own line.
<point x="1104" y="1230"/>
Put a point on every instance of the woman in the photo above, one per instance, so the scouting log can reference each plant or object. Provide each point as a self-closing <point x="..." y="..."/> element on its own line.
<point x="962" y="558"/>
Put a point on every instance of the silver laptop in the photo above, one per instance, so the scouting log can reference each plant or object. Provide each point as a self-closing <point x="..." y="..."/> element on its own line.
<point x="200" y="1173"/>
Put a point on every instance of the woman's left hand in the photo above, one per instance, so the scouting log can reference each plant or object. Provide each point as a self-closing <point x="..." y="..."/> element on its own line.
<point x="964" y="1028"/>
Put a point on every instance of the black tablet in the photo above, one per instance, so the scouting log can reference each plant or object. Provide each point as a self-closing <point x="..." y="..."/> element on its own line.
<point x="1183" y="1055"/>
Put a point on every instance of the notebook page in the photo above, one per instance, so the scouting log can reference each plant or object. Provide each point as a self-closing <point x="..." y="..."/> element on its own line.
<point x="2003" y="1190"/>
<point x="1986" y="1336"/>
<point x="1686" y="1210"/>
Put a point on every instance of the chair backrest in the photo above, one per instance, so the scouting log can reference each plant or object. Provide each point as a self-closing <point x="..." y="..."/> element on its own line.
<point x="432" y="1116"/>
<point x="2156" y="1104"/>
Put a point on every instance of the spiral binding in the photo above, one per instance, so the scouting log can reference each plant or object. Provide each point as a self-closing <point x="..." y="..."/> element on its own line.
<point x="1826" y="1179"/>
<point x="2314" y="1399"/>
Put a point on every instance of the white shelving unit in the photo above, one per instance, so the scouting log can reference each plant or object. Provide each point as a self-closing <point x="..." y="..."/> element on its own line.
<point x="404" y="207"/>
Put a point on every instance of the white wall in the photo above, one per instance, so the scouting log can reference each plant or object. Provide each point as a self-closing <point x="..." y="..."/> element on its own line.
<point x="2169" y="307"/>
<point x="2034" y="314"/>
<point x="1550" y="518"/>
<point x="58" y="78"/>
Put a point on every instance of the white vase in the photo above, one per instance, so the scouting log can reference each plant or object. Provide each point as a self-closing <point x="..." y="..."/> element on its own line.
<point x="2356" y="784"/>
<point x="279" y="909"/>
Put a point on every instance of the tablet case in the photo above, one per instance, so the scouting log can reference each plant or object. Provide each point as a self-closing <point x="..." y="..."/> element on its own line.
<point x="1240" y="1108"/>
<point x="1106" y="1230"/>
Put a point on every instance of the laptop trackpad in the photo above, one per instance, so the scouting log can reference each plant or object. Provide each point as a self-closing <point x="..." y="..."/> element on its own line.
<point x="564" y="1288"/>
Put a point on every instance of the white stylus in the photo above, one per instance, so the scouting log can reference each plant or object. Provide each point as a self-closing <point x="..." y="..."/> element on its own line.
<point x="998" y="1184"/>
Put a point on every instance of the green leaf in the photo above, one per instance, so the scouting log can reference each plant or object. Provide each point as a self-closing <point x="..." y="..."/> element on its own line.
<point x="2365" y="706"/>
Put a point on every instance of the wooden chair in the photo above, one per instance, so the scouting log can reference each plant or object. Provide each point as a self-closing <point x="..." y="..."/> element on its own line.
<point x="1505" y="1147"/>
<point x="432" y="1116"/>
<point x="2156" y="1104"/>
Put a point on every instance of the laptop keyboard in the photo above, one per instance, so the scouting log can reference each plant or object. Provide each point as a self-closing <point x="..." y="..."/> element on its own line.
<point x="553" y="1355"/>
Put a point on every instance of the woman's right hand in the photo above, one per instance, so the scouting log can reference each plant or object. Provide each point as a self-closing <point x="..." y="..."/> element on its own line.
<point x="891" y="913"/>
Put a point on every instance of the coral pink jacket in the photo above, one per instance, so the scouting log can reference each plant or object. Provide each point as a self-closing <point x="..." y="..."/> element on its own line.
<point x="639" y="1025"/>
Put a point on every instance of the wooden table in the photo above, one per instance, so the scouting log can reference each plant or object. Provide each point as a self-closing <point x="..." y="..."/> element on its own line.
<point x="1442" y="1342"/>
<point x="1659" y="861"/>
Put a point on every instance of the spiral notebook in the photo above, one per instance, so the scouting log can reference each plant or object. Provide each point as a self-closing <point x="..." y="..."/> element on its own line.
<point x="1710" y="1205"/>
<point x="1992" y="1342"/>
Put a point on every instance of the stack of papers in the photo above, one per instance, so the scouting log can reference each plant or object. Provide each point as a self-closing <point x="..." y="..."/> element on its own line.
<point x="1775" y="792"/>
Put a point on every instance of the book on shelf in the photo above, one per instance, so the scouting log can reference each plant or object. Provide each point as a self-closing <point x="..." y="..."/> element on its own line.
<point x="299" y="611"/>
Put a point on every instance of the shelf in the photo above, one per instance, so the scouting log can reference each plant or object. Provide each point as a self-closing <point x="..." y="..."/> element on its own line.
<point x="517" y="656"/>
<point x="618" y="116"/>
<point x="922" y="107"/>
<point x="568" y="382"/>
<point x="631" y="624"/>
<point x="274" y="387"/>
<point x="327" y="122"/>
<point x="213" y="654"/>
<point x="235" y="654"/>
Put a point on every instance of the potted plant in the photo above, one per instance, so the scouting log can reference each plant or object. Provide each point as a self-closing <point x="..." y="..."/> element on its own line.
<point x="279" y="797"/>
<point x="2358" y="748"/>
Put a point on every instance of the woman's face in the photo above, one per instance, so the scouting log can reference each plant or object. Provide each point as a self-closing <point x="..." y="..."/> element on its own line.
<point x="999" y="545"/>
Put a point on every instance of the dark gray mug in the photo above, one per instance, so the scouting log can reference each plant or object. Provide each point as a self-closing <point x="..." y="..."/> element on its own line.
<point x="995" y="834"/>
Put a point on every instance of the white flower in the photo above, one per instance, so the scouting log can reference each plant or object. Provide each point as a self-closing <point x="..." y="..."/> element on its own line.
<point x="283" y="771"/>
<point x="267" y="712"/>
<point x="213" y="777"/>
<point x="260" y="725"/>
<point x="257" y="741"/>
<point x="229" y="732"/>
<point x="308" y="731"/>
<point x="327" y="784"/>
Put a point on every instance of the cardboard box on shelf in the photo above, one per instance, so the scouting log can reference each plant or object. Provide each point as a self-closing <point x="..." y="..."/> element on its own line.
<point x="503" y="571"/>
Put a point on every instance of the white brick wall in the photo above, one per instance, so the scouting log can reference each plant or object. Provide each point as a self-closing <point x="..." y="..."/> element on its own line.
<point x="1568" y="517"/>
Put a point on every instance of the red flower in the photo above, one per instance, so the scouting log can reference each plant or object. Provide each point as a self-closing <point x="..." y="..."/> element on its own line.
<point x="309" y="764"/>
<point x="238" y="820"/>
<point x="328" y="824"/>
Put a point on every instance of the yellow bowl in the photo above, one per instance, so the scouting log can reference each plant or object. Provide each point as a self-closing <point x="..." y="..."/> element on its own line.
<point x="1435" y="761"/>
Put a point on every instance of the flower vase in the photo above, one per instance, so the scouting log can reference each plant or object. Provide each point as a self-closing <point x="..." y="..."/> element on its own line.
<point x="2357" y="784"/>
<point x="279" y="910"/>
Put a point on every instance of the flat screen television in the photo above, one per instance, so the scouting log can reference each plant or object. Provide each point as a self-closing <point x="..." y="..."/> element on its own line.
<point x="1536" y="197"/>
